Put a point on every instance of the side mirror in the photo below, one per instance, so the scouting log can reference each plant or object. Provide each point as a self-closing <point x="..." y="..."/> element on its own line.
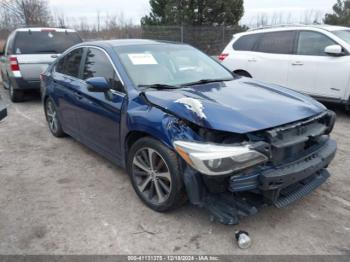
<point x="97" y="84"/>
<point x="335" y="50"/>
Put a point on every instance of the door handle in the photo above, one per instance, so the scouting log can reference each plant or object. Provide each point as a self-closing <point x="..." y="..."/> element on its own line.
<point x="78" y="95"/>
<point x="252" y="60"/>
<point x="297" y="63"/>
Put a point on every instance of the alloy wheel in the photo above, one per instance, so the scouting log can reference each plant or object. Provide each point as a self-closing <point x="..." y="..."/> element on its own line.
<point x="152" y="175"/>
<point x="51" y="116"/>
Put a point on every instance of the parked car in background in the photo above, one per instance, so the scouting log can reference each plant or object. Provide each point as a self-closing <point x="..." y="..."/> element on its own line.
<point x="182" y="124"/>
<point x="28" y="52"/>
<point x="313" y="60"/>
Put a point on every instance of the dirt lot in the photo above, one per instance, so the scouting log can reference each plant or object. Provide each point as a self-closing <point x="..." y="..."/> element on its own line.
<point x="58" y="197"/>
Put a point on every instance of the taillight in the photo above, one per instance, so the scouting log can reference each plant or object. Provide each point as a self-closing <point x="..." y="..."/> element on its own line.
<point x="14" y="63"/>
<point x="223" y="56"/>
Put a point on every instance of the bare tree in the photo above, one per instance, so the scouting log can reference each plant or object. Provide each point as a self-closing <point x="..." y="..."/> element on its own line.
<point x="98" y="21"/>
<point x="59" y="19"/>
<point x="27" y="12"/>
<point x="310" y="16"/>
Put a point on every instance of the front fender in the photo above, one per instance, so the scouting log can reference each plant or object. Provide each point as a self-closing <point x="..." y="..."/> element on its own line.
<point x="156" y="123"/>
<point x="163" y="126"/>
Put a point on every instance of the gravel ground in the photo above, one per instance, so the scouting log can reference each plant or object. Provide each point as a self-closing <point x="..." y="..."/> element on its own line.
<point x="58" y="197"/>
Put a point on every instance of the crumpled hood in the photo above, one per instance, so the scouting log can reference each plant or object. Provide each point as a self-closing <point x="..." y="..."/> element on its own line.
<point x="240" y="106"/>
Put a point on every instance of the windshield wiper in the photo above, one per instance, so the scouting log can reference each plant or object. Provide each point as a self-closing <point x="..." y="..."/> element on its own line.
<point x="159" y="86"/>
<point x="205" y="81"/>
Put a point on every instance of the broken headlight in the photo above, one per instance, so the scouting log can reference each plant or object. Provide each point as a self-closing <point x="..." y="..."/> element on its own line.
<point x="213" y="159"/>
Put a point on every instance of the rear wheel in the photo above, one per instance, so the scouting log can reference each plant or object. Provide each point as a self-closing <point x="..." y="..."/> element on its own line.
<point x="155" y="175"/>
<point x="15" y="95"/>
<point x="52" y="118"/>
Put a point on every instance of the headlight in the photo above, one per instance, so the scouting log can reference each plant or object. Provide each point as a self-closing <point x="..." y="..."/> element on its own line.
<point x="212" y="159"/>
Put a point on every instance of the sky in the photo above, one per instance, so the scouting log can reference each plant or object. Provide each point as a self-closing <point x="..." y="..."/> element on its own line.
<point x="134" y="9"/>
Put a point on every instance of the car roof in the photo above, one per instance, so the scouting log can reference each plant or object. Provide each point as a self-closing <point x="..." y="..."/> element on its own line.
<point x="277" y="28"/>
<point x="39" y="29"/>
<point x="124" y="42"/>
<point x="332" y="27"/>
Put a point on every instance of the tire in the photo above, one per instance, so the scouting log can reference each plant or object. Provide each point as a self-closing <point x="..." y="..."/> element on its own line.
<point x="15" y="95"/>
<point x="52" y="118"/>
<point x="166" y="175"/>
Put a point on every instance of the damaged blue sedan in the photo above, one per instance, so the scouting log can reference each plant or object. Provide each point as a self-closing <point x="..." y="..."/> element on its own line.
<point x="186" y="128"/>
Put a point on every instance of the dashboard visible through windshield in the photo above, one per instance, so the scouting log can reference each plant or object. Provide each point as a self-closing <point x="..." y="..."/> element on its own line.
<point x="169" y="64"/>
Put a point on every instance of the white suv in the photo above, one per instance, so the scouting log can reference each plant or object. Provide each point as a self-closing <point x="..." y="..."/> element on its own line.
<point x="314" y="60"/>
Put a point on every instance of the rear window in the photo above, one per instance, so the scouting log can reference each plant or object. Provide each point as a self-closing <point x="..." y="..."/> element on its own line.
<point x="49" y="42"/>
<point x="277" y="42"/>
<point x="246" y="43"/>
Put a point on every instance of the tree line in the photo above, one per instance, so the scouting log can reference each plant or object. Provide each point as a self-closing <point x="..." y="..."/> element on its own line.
<point x="17" y="13"/>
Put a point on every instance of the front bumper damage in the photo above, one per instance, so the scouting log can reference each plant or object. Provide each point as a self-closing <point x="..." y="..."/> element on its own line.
<point x="287" y="183"/>
<point x="279" y="183"/>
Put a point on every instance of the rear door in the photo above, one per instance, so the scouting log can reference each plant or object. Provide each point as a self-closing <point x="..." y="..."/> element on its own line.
<point x="36" y="49"/>
<point x="314" y="72"/>
<point x="272" y="56"/>
<point x="100" y="113"/>
<point x="239" y="52"/>
<point x="66" y="89"/>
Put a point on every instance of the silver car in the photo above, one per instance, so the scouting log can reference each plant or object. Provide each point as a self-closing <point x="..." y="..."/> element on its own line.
<point x="28" y="52"/>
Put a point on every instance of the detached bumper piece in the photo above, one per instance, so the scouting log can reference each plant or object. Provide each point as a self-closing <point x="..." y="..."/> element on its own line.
<point x="225" y="208"/>
<point x="301" y="189"/>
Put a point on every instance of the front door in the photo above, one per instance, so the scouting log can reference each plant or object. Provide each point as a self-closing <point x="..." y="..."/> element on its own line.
<point x="314" y="72"/>
<point x="100" y="113"/>
<point x="273" y="53"/>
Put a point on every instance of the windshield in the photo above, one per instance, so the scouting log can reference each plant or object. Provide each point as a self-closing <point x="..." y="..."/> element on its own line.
<point x="50" y="42"/>
<point x="169" y="64"/>
<point x="343" y="34"/>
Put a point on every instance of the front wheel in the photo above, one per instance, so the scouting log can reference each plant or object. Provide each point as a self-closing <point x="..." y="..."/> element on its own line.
<point x="155" y="175"/>
<point x="52" y="118"/>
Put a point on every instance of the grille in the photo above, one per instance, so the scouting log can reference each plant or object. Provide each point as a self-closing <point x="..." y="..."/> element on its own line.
<point x="291" y="141"/>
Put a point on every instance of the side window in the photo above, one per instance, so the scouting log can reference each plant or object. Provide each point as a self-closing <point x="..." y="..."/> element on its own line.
<point x="276" y="42"/>
<point x="70" y="63"/>
<point x="9" y="45"/>
<point x="246" y="43"/>
<point x="313" y="43"/>
<point x="97" y="64"/>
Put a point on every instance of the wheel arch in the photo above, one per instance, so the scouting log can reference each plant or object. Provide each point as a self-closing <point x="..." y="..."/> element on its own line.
<point x="242" y="72"/>
<point x="134" y="135"/>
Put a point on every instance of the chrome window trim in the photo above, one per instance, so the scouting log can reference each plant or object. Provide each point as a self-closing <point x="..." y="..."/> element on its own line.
<point x="110" y="61"/>
<point x="99" y="48"/>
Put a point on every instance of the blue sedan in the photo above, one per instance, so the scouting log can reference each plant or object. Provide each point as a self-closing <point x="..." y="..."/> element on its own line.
<point x="185" y="127"/>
